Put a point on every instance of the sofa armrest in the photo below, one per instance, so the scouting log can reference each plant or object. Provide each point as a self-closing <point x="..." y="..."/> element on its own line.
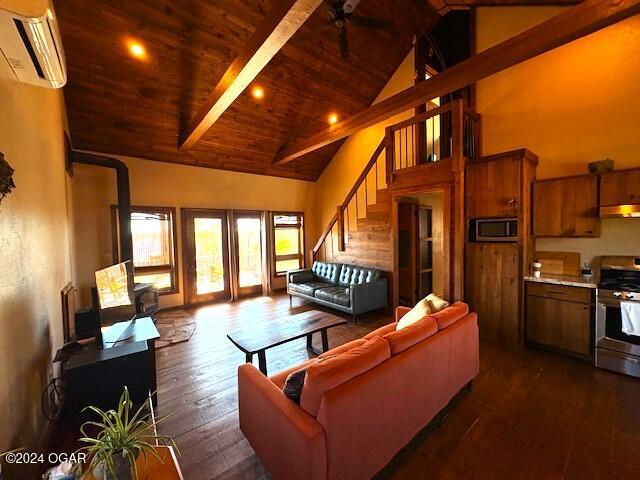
<point x="289" y="442"/>
<point x="369" y="296"/>
<point x="303" y="275"/>
<point x="401" y="312"/>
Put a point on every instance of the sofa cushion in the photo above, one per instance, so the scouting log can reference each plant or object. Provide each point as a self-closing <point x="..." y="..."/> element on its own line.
<point x="279" y="378"/>
<point x="327" y="272"/>
<point x="382" y="331"/>
<point x="400" y="340"/>
<point x="300" y="276"/>
<point x="436" y="303"/>
<point x="421" y="310"/>
<point x="354" y="275"/>
<point x="451" y="315"/>
<point x="343" y="348"/>
<point x="293" y="384"/>
<point x="337" y="295"/>
<point x="330" y="373"/>
<point x="307" y="288"/>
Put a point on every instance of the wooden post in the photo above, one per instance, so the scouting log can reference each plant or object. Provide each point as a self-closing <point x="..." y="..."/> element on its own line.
<point x="340" y="220"/>
<point x="457" y="201"/>
<point x="391" y="155"/>
<point x="457" y="135"/>
<point x="421" y="75"/>
<point x="478" y="139"/>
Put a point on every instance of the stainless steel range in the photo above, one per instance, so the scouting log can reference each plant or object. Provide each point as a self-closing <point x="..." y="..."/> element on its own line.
<point x="619" y="282"/>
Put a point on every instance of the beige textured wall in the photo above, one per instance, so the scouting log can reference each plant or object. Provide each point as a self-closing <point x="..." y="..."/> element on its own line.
<point x="168" y="185"/>
<point x="573" y="105"/>
<point x="34" y="253"/>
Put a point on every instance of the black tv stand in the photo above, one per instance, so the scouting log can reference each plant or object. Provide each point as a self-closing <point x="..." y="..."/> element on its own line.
<point x="97" y="376"/>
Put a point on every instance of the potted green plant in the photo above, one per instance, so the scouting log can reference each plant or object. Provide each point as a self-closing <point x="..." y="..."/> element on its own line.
<point x="119" y="439"/>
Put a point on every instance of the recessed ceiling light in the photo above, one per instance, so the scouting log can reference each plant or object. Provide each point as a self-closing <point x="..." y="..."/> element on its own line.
<point x="257" y="92"/>
<point x="137" y="50"/>
<point x="332" y="118"/>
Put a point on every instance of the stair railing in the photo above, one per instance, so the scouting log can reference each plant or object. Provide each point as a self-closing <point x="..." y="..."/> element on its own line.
<point x="372" y="178"/>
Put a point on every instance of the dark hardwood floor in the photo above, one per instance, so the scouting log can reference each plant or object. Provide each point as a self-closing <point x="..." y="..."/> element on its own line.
<point x="530" y="415"/>
<point x="197" y="383"/>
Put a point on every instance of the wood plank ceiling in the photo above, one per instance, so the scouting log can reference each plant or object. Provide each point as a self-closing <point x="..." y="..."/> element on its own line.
<point x="121" y="105"/>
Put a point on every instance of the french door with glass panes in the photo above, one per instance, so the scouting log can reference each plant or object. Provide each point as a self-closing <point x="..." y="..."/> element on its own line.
<point x="206" y="255"/>
<point x="248" y="253"/>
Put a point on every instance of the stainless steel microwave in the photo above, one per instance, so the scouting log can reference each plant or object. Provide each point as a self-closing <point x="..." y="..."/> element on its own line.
<point x="493" y="230"/>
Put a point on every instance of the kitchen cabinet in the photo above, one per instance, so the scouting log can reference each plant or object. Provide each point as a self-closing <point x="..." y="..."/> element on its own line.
<point x="560" y="317"/>
<point x="493" y="187"/>
<point x="621" y="187"/>
<point x="499" y="186"/>
<point x="492" y="289"/>
<point x="566" y="207"/>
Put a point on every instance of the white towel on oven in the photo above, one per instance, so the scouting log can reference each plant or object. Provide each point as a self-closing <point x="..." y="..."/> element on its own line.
<point x="630" y="312"/>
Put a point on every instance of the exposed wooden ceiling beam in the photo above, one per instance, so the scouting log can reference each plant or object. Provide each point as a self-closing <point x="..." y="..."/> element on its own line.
<point x="278" y="26"/>
<point x="445" y="6"/>
<point x="576" y="22"/>
<point x="506" y="3"/>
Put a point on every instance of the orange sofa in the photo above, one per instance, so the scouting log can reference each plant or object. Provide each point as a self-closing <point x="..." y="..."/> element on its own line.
<point x="363" y="402"/>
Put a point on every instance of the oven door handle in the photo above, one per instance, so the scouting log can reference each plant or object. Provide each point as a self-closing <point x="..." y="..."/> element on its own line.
<point x="609" y="303"/>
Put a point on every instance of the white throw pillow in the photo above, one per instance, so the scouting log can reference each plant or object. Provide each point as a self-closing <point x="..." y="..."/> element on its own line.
<point x="421" y="310"/>
<point x="436" y="303"/>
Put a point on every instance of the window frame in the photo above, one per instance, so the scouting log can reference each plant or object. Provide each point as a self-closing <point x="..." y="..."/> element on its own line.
<point x="171" y="268"/>
<point x="301" y="245"/>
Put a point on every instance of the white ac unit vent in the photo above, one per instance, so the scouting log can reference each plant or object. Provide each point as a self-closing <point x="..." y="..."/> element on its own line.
<point x="33" y="48"/>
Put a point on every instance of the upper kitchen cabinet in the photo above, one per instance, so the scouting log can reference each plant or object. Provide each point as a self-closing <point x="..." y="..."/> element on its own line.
<point x="566" y="207"/>
<point x="621" y="187"/>
<point x="494" y="184"/>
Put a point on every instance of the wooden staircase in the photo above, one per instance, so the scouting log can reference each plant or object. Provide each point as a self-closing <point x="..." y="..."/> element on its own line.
<point x="427" y="150"/>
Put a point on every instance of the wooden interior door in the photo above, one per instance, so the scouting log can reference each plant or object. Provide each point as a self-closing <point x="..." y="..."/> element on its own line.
<point x="407" y="253"/>
<point x="248" y="244"/>
<point x="205" y="255"/>
<point x="425" y="252"/>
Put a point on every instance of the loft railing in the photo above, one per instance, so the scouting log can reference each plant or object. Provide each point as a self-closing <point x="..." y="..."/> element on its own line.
<point x="432" y="136"/>
<point x="451" y="131"/>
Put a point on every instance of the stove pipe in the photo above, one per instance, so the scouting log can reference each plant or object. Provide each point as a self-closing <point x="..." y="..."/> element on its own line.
<point x="124" y="197"/>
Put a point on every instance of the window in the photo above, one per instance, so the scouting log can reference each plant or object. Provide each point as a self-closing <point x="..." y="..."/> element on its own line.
<point x="288" y="242"/>
<point x="153" y="232"/>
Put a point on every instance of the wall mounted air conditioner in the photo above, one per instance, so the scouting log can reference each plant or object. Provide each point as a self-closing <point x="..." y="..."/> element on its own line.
<point x="30" y="42"/>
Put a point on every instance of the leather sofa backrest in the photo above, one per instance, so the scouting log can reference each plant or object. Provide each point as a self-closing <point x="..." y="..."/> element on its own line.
<point x="354" y="275"/>
<point x="328" y="272"/>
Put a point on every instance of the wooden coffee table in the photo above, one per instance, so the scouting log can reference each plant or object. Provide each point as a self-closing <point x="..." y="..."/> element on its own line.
<point x="259" y="337"/>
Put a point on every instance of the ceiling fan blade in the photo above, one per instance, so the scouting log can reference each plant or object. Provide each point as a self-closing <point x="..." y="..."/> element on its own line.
<point x="350" y="5"/>
<point x="370" y="22"/>
<point x="313" y="33"/>
<point x="344" y="42"/>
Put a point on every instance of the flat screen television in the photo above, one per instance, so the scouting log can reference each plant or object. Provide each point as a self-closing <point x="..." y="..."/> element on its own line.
<point x="116" y="303"/>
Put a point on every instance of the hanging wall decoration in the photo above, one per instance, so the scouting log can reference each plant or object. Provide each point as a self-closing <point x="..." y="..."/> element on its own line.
<point x="6" y="180"/>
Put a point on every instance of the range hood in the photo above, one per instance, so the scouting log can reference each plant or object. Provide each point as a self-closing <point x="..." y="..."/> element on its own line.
<point x="620" y="211"/>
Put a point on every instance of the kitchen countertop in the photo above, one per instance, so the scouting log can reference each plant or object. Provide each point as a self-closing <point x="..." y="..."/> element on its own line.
<point x="568" y="280"/>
